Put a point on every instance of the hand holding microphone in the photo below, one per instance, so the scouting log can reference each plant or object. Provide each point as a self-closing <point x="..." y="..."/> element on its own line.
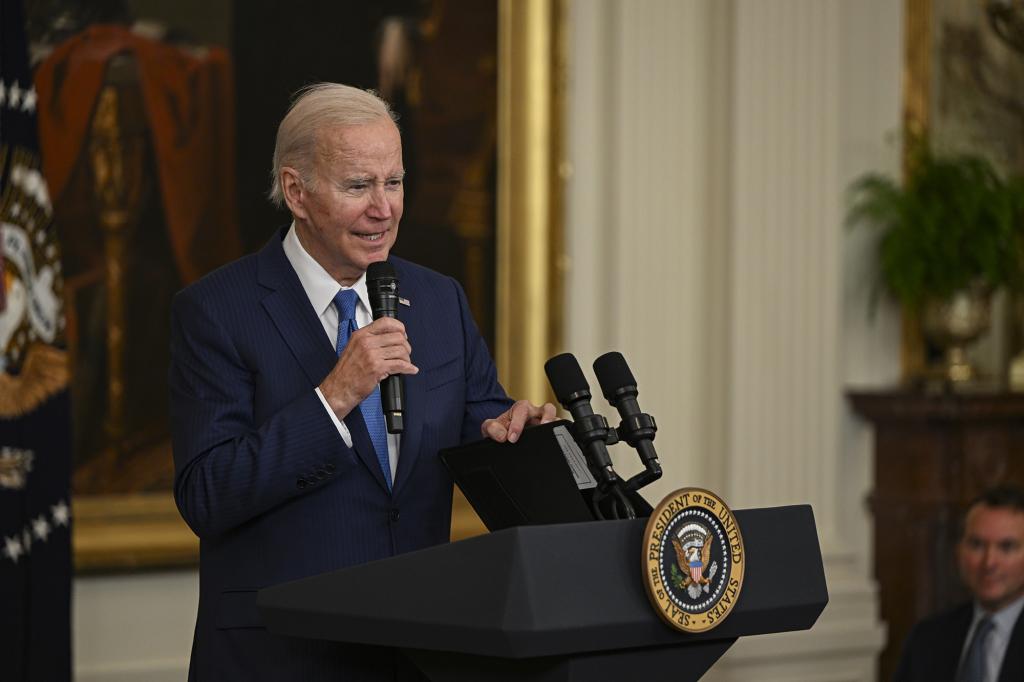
<point x="375" y="354"/>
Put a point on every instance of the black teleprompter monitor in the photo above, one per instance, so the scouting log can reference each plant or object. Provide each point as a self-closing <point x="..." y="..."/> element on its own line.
<point x="539" y="479"/>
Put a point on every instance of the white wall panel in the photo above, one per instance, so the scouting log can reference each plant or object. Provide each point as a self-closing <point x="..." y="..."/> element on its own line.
<point x="779" y="104"/>
<point x="647" y="129"/>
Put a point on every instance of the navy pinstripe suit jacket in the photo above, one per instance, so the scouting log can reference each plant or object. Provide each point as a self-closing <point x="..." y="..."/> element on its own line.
<point x="265" y="480"/>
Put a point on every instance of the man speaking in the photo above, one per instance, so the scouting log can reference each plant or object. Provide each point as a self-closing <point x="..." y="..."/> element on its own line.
<point x="283" y="465"/>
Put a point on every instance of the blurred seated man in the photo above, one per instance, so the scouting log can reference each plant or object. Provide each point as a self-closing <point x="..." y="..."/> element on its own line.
<point x="981" y="641"/>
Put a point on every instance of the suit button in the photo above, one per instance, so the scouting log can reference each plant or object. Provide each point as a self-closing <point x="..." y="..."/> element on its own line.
<point x="302" y="483"/>
<point x="395" y="515"/>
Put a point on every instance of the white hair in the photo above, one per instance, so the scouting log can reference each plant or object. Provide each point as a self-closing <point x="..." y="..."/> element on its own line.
<point x="317" y="107"/>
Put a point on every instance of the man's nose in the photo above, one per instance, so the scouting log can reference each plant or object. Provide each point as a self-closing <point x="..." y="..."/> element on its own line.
<point x="380" y="207"/>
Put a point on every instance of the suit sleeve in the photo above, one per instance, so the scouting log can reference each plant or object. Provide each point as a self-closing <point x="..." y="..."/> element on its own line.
<point x="903" y="670"/>
<point x="485" y="397"/>
<point x="228" y="469"/>
<point x="907" y="670"/>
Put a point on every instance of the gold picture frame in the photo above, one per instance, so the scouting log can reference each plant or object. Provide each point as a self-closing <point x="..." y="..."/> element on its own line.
<point x="917" y="75"/>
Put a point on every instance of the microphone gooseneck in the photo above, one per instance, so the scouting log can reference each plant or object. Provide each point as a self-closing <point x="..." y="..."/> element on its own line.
<point x="573" y="392"/>
<point x="382" y="289"/>
<point x="637" y="428"/>
<point x="590" y="429"/>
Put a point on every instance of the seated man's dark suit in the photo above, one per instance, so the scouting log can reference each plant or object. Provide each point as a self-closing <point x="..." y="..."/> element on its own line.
<point x="933" y="647"/>
<point x="264" y="478"/>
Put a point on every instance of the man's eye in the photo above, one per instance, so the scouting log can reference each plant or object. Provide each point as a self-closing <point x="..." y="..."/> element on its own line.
<point x="358" y="187"/>
<point x="394" y="183"/>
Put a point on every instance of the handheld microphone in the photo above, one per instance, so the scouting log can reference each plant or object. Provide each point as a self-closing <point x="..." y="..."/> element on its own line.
<point x="382" y="288"/>
<point x="573" y="392"/>
<point x="637" y="427"/>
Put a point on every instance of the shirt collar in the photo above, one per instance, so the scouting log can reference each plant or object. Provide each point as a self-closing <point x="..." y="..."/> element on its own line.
<point x="1005" y="618"/>
<point x="318" y="284"/>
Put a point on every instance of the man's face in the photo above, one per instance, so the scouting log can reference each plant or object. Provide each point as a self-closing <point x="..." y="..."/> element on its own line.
<point x="350" y="218"/>
<point x="991" y="555"/>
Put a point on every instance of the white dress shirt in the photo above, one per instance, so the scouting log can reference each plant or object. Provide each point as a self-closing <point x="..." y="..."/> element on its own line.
<point x="321" y="289"/>
<point x="998" y="639"/>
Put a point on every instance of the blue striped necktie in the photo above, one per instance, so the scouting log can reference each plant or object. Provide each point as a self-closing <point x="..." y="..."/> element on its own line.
<point x="973" y="667"/>
<point x="373" y="414"/>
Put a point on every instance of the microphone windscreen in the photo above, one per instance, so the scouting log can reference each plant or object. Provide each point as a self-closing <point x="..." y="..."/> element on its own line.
<point x="565" y="376"/>
<point x="613" y="373"/>
<point x="380" y="270"/>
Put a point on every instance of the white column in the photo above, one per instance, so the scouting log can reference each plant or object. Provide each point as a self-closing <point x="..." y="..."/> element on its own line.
<point x="646" y="235"/>
<point x="802" y="67"/>
<point x="712" y="143"/>
<point x="786" y="391"/>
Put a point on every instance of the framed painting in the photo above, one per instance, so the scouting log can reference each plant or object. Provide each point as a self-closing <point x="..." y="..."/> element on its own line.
<point x="963" y="79"/>
<point x="471" y="81"/>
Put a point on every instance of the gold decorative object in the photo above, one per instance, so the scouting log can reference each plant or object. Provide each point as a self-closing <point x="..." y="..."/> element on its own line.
<point x="953" y="323"/>
<point x="117" y="159"/>
<point x="1016" y="373"/>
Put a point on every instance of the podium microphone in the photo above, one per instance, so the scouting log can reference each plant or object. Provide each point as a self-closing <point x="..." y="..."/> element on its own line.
<point x="637" y="427"/>
<point x="573" y="392"/>
<point x="382" y="288"/>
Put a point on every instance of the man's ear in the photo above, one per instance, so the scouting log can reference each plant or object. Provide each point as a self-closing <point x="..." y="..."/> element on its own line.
<point x="295" y="193"/>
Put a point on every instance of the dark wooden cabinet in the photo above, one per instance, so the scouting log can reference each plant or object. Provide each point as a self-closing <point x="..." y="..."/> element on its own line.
<point x="933" y="454"/>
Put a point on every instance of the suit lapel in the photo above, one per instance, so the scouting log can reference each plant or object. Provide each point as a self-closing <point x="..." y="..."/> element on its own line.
<point x="1013" y="663"/>
<point x="948" y="654"/>
<point x="363" y="446"/>
<point x="292" y="314"/>
<point x="299" y="325"/>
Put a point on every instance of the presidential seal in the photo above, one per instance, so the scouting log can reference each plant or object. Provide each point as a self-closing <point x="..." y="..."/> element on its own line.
<point x="693" y="560"/>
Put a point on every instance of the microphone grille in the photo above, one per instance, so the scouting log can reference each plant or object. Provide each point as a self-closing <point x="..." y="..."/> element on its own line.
<point x="565" y="376"/>
<point x="613" y="373"/>
<point x="380" y="270"/>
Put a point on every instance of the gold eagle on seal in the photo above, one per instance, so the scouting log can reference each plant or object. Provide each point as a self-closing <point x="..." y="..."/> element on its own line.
<point x="693" y="553"/>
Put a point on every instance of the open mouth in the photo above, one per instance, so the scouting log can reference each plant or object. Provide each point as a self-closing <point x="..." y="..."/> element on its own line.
<point x="371" y="236"/>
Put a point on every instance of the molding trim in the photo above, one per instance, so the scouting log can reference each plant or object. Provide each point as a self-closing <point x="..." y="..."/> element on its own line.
<point x="130" y="532"/>
<point x="162" y="670"/>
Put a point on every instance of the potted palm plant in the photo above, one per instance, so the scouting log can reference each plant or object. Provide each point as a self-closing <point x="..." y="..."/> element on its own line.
<point x="951" y="236"/>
